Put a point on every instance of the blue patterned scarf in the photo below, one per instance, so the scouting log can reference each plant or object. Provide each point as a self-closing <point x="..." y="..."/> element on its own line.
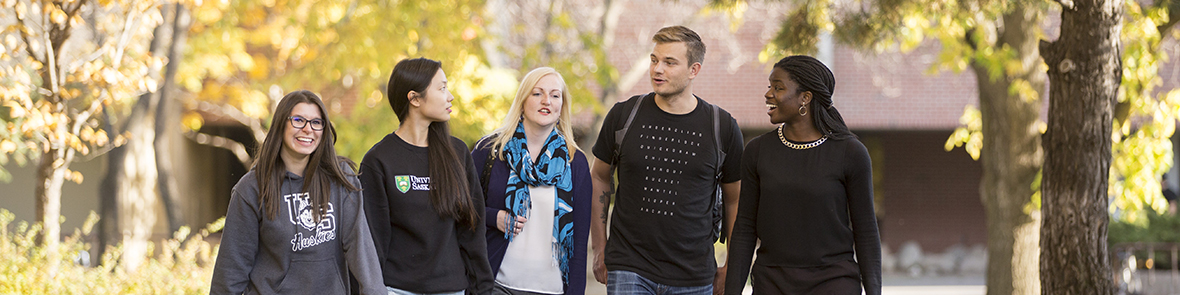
<point x="552" y="167"/>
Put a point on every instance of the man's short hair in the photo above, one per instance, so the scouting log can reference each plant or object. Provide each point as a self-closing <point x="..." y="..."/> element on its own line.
<point x="696" y="48"/>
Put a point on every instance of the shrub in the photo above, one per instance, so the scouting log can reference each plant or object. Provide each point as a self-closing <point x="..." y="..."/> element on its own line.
<point x="182" y="264"/>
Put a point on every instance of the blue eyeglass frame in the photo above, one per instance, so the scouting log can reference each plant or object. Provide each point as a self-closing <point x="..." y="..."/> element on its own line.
<point x="296" y="123"/>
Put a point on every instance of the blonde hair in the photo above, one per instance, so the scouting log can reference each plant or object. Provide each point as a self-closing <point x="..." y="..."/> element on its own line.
<point x="501" y="135"/>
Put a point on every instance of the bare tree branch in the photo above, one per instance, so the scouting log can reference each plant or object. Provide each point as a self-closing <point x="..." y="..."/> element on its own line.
<point x="254" y="124"/>
<point x="237" y="148"/>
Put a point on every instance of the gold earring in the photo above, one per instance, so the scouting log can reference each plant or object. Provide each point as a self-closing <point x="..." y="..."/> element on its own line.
<point x="803" y="110"/>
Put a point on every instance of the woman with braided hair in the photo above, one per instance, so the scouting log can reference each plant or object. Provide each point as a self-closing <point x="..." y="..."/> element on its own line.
<point x="807" y="193"/>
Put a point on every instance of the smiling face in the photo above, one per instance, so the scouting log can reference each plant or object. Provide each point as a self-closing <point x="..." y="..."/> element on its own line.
<point x="670" y="71"/>
<point x="435" y="102"/>
<point x="783" y="98"/>
<point x="542" y="107"/>
<point x="298" y="143"/>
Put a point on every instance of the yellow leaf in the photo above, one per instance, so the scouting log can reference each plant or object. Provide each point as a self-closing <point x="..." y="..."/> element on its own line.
<point x="193" y="121"/>
<point x="7" y="146"/>
<point x="21" y="10"/>
<point x="100" y="138"/>
<point x="87" y="133"/>
<point x="15" y="109"/>
<point x="150" y="84"/>
<point x="56" y="15"/>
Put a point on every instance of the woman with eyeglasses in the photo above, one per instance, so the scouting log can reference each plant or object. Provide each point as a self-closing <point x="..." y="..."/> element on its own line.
<point x="296" y="222"/>
<point x="422" y="194"/>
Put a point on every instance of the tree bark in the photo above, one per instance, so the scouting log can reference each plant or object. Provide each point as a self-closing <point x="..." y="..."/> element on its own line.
<point x="1084" y="74"/>
<point x="167" y="115"/>
<point x="133" y="187"/>
<point x="1011" y="157"/>
<point x="51" y="175"/>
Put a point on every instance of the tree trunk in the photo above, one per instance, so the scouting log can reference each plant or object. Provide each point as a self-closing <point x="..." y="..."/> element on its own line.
<point x="129" y="194"/>
<point x="130" y="189"/>
<point x="51" y="175"/>
<point x="167" y="130"/>
<point x="1084" y="74"/>
<point x="1011" y="157"/>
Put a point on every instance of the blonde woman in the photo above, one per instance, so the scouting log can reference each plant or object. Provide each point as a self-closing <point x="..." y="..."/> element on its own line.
<point x="537" y="184"/>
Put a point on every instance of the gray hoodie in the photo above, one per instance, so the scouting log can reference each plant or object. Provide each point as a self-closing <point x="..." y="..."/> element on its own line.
<point x="294" y="254"/>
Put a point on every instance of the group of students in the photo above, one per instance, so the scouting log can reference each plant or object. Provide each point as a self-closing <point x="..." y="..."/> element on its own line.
<point x="423" y="215"/>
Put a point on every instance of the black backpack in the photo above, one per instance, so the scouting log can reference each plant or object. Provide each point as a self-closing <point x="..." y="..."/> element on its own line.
<point x="718" y="210"/>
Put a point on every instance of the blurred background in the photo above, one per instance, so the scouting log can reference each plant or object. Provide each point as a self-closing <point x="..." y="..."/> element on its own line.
<point x="147" y="112"/>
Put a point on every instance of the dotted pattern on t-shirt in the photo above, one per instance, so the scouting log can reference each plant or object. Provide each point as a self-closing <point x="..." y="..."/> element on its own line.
<point x="666" y="153"/>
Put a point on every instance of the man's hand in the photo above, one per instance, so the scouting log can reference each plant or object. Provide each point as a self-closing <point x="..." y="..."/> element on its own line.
<point x="599" y="267"/>
<point x="719" y="281"/>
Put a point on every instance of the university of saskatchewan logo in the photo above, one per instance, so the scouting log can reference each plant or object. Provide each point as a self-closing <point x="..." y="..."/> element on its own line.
<point x="403" y="183"/>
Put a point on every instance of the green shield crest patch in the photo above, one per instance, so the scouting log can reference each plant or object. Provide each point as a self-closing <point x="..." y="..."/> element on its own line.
<point x="403" y="182"/>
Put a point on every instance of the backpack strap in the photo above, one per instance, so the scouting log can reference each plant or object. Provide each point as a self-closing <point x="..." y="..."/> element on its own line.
<point x="487" y="166"/>
<point x="622" y="133"/>
<point x="718" y="207"/>
<point x="717" y="138"/>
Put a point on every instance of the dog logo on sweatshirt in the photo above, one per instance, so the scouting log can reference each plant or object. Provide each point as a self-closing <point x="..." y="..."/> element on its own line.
<point x="403" y="183"/>
<point x="300" y="212"/>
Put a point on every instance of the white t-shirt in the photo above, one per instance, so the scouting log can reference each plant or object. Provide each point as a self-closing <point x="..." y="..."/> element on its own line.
<point x="529" y="264"/>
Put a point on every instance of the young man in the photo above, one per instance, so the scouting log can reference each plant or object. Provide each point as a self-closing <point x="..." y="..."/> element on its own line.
<point x="661" y="231"/>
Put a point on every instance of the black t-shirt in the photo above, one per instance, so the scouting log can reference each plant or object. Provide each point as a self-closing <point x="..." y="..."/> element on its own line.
<point x="661" y="225"/>
<point x="420" y="250"/>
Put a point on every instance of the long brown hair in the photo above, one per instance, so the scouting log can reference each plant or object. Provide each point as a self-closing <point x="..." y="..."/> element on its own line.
<point x="449" y="191"/>
<point x="322" y="168"/>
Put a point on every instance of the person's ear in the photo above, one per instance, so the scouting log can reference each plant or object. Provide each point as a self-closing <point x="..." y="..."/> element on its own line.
<point x="805" y="97"/>
<point x="413" y="97"/>
<point x="694" y="70"/>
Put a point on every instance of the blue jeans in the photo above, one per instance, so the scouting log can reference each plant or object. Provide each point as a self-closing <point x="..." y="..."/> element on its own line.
<point x="396" y="291"/>
<point x="621" y="282"/>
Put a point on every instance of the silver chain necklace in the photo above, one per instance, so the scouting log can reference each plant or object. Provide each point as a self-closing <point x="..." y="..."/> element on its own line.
<point x="800" y="146"/>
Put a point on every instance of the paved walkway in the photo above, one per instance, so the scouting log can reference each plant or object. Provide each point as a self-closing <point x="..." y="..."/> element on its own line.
<point x="893" y="285"/>
<point x="940" y="285"/>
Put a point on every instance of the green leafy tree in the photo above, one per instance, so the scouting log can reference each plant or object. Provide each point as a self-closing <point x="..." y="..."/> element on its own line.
<point x="244" y="55"/>
<point x="1145" y="118"/>
<point x="64" y="64"/>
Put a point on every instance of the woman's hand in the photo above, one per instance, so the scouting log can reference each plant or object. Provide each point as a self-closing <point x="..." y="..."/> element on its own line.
<point x="502" y="222"/>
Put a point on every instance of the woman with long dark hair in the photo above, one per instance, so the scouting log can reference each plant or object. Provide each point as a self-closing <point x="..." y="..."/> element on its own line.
<point x="538" y="192"/>
<point x="807" y="193"/>
<point x="422" y="194"/>
<point x="295" y="222"/>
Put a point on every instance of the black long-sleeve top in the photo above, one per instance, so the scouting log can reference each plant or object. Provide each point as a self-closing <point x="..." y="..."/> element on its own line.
<point x="810" y="208"/>
<point x="419" y="250"/>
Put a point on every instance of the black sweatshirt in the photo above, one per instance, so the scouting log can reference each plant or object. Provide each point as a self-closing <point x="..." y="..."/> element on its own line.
<point x="421" y="251"/>
<point x="809" y="207"/>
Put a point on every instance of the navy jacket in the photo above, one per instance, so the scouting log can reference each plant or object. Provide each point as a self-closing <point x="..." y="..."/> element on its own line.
<point x="494" y="202"/>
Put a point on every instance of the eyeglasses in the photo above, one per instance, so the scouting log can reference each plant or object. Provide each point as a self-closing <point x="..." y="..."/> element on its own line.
<point x="299" y="122"/>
